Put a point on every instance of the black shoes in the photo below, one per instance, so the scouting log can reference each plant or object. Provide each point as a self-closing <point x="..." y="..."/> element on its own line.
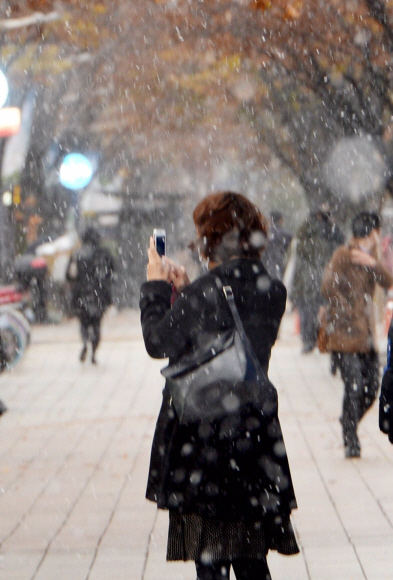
<point x="83" y="354"/>
<point x="307" y="349"/>
<point x="333" y="364"/>
<point x="352" y="451"/>
<point x="351" y="443"/>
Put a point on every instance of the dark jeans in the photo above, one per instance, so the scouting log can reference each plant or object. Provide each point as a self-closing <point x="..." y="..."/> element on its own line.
<point x="247" y="569"/>
<point x="309" y="323"/>
<point x="90" y="330"/>
<point x="360" y="373"/>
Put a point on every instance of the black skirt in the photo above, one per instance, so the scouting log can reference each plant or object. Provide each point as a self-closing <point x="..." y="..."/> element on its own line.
<point x="193" y="537"/>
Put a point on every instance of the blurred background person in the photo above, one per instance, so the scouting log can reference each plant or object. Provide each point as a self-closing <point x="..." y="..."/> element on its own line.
<point x="386" y="396"/>
<point x="278" y="245"/>
<point x="316" y="240"/>
<point x="348" y="286"/>
<point x="90" y="272"/>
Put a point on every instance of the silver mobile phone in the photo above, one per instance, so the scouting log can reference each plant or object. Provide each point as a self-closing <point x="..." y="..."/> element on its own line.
<point x="159" y="237"/>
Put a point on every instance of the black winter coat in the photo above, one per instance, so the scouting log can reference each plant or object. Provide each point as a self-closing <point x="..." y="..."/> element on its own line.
<point x="386" y="396"/>
<point x="90" y="271"/>
<point x="194" y="468"/>
<point x="317" y="239"/>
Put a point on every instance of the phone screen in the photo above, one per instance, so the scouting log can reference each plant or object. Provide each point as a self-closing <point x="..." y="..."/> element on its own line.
<point x="160" y="241"/>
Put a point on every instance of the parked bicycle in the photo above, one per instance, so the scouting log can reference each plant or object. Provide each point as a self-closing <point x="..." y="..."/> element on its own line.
<point x="14" y="326"/>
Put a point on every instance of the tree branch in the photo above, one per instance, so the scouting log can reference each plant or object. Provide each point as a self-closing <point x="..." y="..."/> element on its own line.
<point x="33" y="20"/>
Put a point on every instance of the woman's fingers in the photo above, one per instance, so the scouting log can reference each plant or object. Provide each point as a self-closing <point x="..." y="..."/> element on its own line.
<point x="152" y="252"/>
<point x="179" y="278"/>
<point x="163" y="268"/>
<point x="156" y="268"/>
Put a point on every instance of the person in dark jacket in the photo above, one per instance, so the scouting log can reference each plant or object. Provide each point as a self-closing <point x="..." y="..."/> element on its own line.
<point x="90" y="272"/>
<point x="386" y="396"/>
<point x="229" y="497"/>
<point x="317" y="238"/>
<point x="276" y="254"/>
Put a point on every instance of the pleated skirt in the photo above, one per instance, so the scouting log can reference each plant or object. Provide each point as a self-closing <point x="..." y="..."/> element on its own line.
<point x="192" y="537"/>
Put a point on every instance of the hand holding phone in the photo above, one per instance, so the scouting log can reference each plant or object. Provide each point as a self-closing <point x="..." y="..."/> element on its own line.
<point x="157" y="268"/>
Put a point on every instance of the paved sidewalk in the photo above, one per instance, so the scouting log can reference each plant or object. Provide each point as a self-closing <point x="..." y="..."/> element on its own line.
<point x="75" y="446"/>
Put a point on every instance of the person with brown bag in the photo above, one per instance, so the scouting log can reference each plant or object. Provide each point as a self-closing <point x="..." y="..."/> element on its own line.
<point x="348" y="287"/>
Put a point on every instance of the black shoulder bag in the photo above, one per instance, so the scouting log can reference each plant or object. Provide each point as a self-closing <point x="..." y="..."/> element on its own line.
<point x="221" y="378"/>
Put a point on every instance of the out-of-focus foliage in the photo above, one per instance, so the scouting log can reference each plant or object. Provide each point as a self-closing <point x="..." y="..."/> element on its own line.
<point x="165" y="84"/>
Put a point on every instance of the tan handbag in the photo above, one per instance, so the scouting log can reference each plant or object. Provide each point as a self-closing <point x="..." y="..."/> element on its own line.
<point x="322" y="338"/>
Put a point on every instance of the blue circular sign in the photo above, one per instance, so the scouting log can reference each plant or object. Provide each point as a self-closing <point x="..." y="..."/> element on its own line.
<point x="76" y="171"/>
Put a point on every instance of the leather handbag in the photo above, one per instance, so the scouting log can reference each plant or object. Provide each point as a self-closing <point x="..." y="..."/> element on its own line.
<point x="322" y="337"/>
<point x="221" y="378"/>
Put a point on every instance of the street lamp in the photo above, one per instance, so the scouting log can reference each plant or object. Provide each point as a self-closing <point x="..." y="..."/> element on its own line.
<point x="76" y="172"/>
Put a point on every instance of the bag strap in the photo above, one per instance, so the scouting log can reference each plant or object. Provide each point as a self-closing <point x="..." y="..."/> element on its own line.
<point x="228" y="293"/>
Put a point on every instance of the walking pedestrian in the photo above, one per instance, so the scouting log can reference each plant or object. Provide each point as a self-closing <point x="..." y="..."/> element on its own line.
<point x="90" y="272"/>
<point x="229" y="492"/>
<point x="276" y="254"/>
<point x="317" y="238"/>
<point x="348" y="286"/>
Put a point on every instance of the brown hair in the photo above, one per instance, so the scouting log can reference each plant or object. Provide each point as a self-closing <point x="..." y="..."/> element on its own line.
<point x="229" y="225"/>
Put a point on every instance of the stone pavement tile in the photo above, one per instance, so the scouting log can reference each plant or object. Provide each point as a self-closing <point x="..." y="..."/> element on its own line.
<point x="19" y="565"/>
<point x="65" y="566"/>
<point x="129" y="529"/>
<point x="96" y="507"/>
<point x="338" y="563"/>
<point x="118" y="565"/>
<point x="19" y="507"/>
<point x="134" y="517"/>
<point x="89" y="519"/>
<point x="158" y="568"/>
<point x="35" y="532"/>
<point x="129" y="532"/>
<point x="376" y="559"/>
<point x="387" y="506"/>
<point x="287" y="567"/>
<point x="23" y="473"/>
<point x="130" y="525"/>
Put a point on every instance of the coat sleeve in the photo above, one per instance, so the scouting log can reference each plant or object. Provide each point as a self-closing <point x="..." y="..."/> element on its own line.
<point x="386" y="396"/>
<point x="169" y="330"/>
<point x="382" y="276"/>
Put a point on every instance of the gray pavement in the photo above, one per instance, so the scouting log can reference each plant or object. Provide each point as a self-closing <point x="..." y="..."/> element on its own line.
<point x="75" y="446"/>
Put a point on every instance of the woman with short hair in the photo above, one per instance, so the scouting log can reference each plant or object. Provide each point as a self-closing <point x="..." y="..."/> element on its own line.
<point x="229" y="498"/>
